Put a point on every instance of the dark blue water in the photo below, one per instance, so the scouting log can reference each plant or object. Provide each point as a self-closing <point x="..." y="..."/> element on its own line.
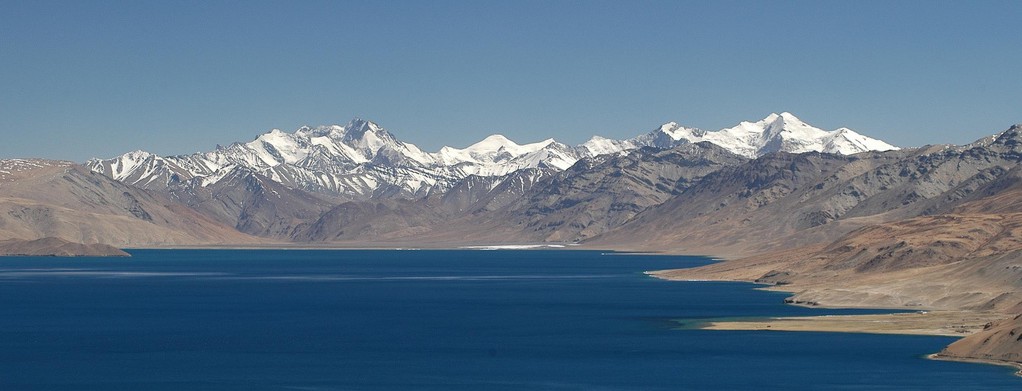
<point x="442" y="320"/>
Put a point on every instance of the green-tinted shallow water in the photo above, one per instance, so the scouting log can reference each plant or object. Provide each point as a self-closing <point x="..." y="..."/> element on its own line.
<point x="441" y="320"/>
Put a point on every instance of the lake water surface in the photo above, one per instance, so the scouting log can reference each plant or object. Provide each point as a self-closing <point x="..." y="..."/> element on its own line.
<point x="424" y="320"/>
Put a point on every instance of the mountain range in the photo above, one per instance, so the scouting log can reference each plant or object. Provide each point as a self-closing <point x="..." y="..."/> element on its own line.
<point x="833" y="216"/>
<point x="307" y="185"/>
<point x="361" y="160"/>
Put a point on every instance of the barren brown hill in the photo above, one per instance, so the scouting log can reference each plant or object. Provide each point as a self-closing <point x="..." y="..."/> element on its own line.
<point x="944" y="262"/>
<point x="999" y="341"/>
<point x="59" y="248"/>
<point x="42" y="198"/>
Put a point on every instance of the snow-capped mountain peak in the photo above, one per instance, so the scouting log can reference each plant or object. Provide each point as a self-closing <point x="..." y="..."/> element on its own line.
<point x="489" y="149"/>
<point x="499" y="155"/>
<point x="604" y="146"/>
<point x="846" y="141"/>
<point x="669" y="127"/>
<point x="782" y="132"/>
<point x="790" y="124"/>
<point x="678" y="132"/>
<point x="366" y="137"/>
<point x="331" y="131"/>
<point x="361" y="159"/>
<point x="666" y="136"/>
<point x="492" y="143"/>
<point x="362" y="131"/>
<point x="787" y="117"/>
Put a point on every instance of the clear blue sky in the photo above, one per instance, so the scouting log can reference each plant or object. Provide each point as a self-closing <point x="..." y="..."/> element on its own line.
<point x="81" y="79"/>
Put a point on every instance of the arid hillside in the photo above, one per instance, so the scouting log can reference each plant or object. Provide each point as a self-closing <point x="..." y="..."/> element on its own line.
<point x="59" y="248"/>
<point x="55" y="199"/>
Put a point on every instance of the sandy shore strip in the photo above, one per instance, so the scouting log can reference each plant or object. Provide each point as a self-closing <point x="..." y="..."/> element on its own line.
<point x="944" y="323"/>
<point x="1017" y="366"/>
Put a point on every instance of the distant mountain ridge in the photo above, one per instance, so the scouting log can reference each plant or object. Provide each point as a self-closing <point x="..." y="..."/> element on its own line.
<point x="776" y="133"/>
<point x="362" y="160"/>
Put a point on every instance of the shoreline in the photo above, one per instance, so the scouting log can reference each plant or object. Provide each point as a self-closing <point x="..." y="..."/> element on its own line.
<point x="411" y="245"/>
<point x="868" y="324"/>
<point x="933" y="323"/>
<point x="940" y="357"/>
<point x="419" y="247"/>
<point x="936" y="323"/>
<point x="336" y="246"/>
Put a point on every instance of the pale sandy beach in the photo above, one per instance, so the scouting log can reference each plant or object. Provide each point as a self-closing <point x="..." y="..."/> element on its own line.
<point x="944" y="323"/>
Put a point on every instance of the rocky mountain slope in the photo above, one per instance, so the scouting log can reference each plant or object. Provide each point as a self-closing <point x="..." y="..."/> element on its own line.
<point x="599" y="195"/>
<point x="594" y="196"/>
<point x="252" y="203"/>
<point x="784" y="200"/>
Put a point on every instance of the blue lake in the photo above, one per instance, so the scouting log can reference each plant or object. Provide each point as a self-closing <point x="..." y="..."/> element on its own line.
<point x="440" y="320"/>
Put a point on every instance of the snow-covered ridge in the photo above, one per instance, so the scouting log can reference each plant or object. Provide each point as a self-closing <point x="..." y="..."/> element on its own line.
<point x="498" y="155"/>
<point x="363" y="160"/>
<point x="776" y="133"/>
